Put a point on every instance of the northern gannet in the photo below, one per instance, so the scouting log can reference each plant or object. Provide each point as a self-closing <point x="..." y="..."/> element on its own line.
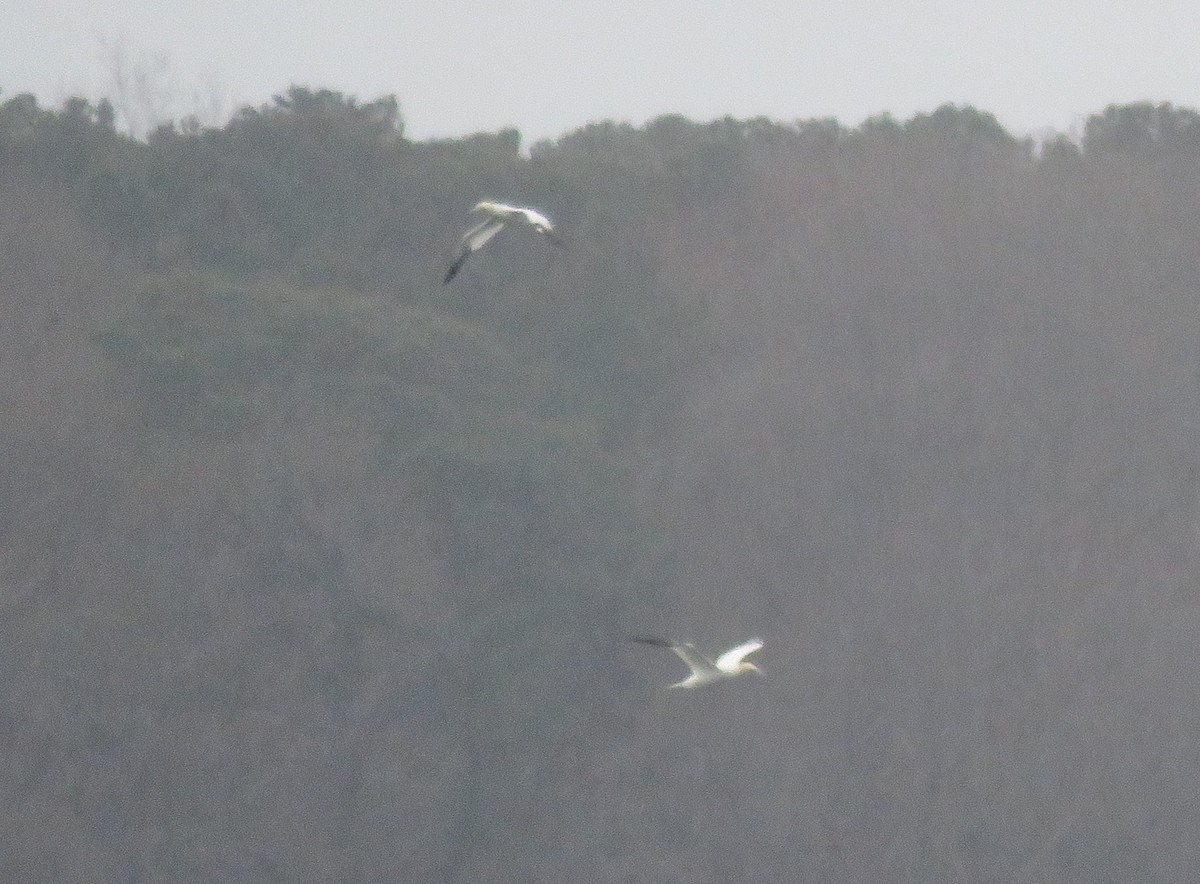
<point x="731" y="664"/>
<point x="498" y="214"/>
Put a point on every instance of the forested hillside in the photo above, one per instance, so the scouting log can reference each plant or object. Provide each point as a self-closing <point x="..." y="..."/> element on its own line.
<point x="315" y="569"/>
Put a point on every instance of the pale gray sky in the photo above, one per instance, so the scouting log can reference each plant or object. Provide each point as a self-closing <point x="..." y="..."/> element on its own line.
<point x="550" y="66"/>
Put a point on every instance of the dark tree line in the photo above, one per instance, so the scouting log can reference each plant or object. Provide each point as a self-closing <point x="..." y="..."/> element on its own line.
<point x="314" y="569"/>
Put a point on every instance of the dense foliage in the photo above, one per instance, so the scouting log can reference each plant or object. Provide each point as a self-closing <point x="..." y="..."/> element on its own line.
<point x="314" y="569"/>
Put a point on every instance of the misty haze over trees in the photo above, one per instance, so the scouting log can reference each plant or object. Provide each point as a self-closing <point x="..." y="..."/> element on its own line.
<point x="313" y="569"/>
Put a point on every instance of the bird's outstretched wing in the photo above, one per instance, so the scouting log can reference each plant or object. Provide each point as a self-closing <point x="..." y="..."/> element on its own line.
<point x="731" y="658"/>
<point x="473" y="240"/>
<point x="697" y="662"/>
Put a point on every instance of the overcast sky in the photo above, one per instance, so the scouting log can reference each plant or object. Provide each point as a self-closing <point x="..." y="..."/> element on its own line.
<point x="549" y="66"/>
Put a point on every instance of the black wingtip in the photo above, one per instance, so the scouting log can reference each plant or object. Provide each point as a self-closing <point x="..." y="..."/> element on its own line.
<point x="453" y="271"/>
<point x="651" y="640"/>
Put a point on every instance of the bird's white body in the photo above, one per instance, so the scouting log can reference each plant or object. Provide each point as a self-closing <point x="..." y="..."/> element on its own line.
<point x="506" y="212"/>
<point x="498" y="214"/>
<point x="728" y="665"/>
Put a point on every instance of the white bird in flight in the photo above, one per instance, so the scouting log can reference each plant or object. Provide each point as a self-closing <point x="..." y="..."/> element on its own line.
<point x="731" y="664"/>
<point x="498" y="214"/>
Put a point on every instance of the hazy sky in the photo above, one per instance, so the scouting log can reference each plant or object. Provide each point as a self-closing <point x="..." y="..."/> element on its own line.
<point x="549" y="66"/>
